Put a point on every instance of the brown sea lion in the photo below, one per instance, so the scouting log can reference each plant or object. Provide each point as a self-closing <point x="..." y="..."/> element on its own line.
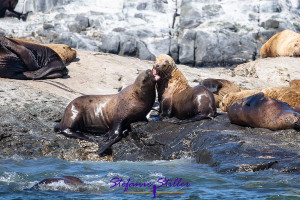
<point x="69" y="180"/>
<point x="261" y="112"/>
<point x="25" y="60"/>
<point x="288" y="95"/>
<point x="295" y="84"/>
<point x="220" y="87"/>
<point x="176" y="97"/>
<point x="284" y="43"/>
<point x="10" y="5"/>
<point x="65" y="52"/>
<point x="110" y="114"/>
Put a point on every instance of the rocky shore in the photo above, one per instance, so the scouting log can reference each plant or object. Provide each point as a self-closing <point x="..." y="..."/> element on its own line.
<point x="30" y="109"/>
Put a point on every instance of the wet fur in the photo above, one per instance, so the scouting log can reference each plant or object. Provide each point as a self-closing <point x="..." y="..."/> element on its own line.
<point x="220" y="87"/>
<point x="291" y="96"/>
<point x="110" y="114"/>
<point x="262" y="112"/>
<point x="176" y="97"/>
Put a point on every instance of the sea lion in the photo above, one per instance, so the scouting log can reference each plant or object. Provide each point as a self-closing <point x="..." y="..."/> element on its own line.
<point x="69" y="180"/>
<point x="110" y="114"/>
<point x="284" y="43"/>
<point x="65" y="52"/>
<point x="295" y="84"/>
<point x="288" y="95"/>
<point x="11" y="5"/>
<point x="220" y="87"/>
<point x="176" y="97"/>
<point x="25" y="60"/>
<point x="260" y="112"/>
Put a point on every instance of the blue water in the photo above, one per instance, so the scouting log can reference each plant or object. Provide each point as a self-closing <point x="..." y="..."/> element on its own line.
<point x="17" y="175"/>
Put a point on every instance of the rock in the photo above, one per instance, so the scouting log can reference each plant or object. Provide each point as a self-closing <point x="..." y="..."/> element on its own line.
<point x="279" y="71"/>
<point x="235" y="30"/>
<point x="31" y="108"/>
<point x="187" y="48"/>
<point x="80" y="24"/>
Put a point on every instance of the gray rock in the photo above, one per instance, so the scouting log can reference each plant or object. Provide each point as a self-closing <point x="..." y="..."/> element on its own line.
<point x="80" y="24"/>
<point x="142" y="52"/>
<point x="110" y="44"/>
<point x="128" y="46"/>
<point x="270" y="23"/>
<point x="187" y="48"/>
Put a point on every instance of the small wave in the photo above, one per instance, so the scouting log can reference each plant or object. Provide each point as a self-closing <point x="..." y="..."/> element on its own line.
<point x="9" y="177"/>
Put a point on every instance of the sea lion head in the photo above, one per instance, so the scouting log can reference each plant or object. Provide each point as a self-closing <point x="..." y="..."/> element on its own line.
<point x="163" y="66"/>
<point x="146" y="80"/>
<point x="296" y="52"/>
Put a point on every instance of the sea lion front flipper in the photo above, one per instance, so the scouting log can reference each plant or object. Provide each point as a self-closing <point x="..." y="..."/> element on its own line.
<point x="54" y="69"/>
<point x="22" y="52"/>
<point x="114" y="136"/>
<point x="253" y="98"/>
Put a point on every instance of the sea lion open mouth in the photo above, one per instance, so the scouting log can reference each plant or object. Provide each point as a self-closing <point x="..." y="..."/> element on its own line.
<point x="155" y="74"/>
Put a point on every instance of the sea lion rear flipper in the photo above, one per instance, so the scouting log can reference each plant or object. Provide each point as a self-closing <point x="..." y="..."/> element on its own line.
<point x="253" y="98"/>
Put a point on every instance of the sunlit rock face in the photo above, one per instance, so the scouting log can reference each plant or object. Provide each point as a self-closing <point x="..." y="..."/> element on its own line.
<point x="193" y="32"/>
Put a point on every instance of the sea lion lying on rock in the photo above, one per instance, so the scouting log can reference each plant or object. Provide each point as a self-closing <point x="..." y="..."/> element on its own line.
<point x="25" y="60"/>
<point x="288" y="95"/>
<point x="220" y="87"/>
<point x="65" y="52"/>
<point x="110" y="114"/>
<point x="284" y="43"/>
<point x="176" y="97"/>
<point x="11" y="5"/>
<point x="262" y="112"/>
<point x="68" y="180"/>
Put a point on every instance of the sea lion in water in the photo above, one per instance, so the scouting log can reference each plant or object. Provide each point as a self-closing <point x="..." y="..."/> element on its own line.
<point x="11" y="5"/>
<point x="25" y="60"/>
<point x="69" y="180"/>
<point x="260" y="112"/>
<point x="220" y="87"/>
<point x="110" y="114"/>
<point x="176" y="97"/>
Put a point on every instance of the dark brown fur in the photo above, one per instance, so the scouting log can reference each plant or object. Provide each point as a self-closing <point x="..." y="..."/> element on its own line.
<point x="111" y="114"/>
<point x="11" y="5"/>
<point x="176" y="97"/>
<point x="69" y="180"/>
<point x="259" y="111"/>
<point x="220" y="87"/>
<point x="26" y="60"/>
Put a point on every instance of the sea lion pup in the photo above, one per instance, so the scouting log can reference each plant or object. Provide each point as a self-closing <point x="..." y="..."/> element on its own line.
<point x="110" y="114"/>
<point x="176" y="97"/>
<point x="68" y="180"/>
<point x="220" y="87"/>
<point x="288" y="95"/>
<point x="261" y="112"/>
<point x="65" y="52"/>
<point x="295" y="84"/>
<point x="11" y="5"/>
<point x="284" y="43"/>
<point x="25" y="60"/>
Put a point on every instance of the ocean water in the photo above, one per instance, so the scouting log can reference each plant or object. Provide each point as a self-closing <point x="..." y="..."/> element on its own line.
<point x="197" y="181"/>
